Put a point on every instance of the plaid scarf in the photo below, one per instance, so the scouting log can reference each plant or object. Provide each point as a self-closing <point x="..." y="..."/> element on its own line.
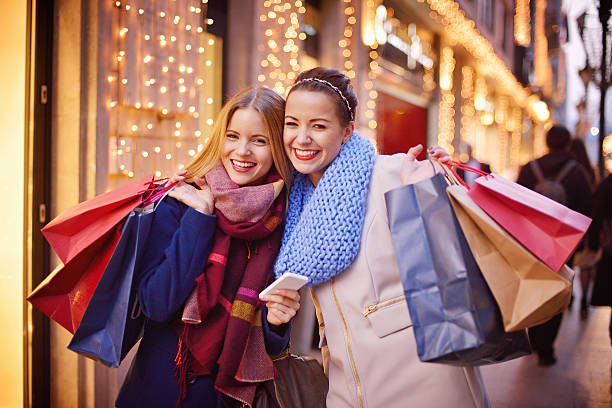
<point x="224" y="333"/>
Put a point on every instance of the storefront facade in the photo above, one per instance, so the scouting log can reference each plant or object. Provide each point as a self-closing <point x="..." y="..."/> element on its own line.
<point x="126" y="88"/>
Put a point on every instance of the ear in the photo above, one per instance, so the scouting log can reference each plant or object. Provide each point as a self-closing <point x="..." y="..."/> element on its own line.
<point x="348" y="132"/>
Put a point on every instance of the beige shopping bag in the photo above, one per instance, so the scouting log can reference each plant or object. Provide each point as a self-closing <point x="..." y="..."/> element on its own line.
<point x="527" y="291"/>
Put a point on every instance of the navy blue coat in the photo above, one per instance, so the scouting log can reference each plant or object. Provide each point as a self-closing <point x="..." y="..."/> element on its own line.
<point x="178" y="246"/>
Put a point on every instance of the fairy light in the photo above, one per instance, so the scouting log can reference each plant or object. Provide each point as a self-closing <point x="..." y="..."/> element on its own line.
<point x="464" y="32"/>
<point x="446" y="115"/>
<point x="542" y="67"/>
<point x="467" y="107"/>
<point x="522" y="23"/>
<point x="154" y="102"/>
<point x="516" y="136"/>
<point x="346" y="41"/>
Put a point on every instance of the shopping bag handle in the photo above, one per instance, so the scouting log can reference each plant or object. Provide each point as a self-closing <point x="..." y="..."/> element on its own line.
<point x="450" y="164"/>
<point x="158" y="192"/>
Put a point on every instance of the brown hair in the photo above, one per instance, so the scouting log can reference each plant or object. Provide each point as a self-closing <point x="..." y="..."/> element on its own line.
<point x="271" y="107"/>
<point x="345" y="113"/>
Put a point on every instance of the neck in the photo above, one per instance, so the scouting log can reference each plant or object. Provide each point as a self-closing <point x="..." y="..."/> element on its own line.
<point x="316" y="177"/>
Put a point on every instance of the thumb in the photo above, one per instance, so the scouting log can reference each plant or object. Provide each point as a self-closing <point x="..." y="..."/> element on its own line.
<point x="413" y="152"/>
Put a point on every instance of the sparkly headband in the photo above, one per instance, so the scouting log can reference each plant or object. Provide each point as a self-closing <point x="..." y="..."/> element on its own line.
<point x="335" y="88"/>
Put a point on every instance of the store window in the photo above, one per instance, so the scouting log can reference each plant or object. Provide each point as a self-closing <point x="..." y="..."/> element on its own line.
<point x="165" y="86"/>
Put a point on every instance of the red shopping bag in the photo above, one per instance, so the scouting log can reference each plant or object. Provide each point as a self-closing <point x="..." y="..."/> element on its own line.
<point x="65" y="293"/>
<point x="79" y="226"/>
<point x="550" y="230"/>
<point x="85" y="237"/>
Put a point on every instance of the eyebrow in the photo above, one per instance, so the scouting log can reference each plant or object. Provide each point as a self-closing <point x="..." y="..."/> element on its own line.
<point x="238" y="133"/>
<point x="311" y="120"/>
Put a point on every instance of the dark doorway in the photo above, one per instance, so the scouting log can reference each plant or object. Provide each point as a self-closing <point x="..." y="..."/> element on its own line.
<point x="401" y="125"/>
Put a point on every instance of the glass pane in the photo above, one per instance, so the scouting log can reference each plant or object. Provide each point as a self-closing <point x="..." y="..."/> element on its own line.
<point x="166" y="87"/>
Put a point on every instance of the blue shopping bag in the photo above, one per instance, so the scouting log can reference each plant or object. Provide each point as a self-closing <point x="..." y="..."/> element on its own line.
<point x="454" y="315"/>
<point x="113" y="322"/>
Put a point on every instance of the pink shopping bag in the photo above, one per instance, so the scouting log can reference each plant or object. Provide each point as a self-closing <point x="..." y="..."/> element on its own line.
<point x="550" y="230"/>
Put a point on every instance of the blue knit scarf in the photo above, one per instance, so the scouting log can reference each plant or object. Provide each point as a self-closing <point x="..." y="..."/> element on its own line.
<point x="323" y="225"/>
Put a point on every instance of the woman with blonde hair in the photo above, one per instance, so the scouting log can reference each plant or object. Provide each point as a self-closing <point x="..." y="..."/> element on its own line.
<point x="211" y="250"/>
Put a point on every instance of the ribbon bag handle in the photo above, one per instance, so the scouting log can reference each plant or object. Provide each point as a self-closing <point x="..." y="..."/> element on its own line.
<point x="463" y="167"/>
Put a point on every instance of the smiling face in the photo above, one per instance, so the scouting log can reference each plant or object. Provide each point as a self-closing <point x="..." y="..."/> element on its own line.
<point x="246" y="152"/>
<point x="313" y="134"/>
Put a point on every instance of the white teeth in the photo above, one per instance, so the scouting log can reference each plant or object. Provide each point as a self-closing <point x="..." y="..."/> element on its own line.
<point x="306" y="153"/>
<point x="242" y="164"/>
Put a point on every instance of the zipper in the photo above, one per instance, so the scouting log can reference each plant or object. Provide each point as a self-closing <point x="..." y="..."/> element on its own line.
<point x="373" y="308"/>
<point x="348" y="345"/>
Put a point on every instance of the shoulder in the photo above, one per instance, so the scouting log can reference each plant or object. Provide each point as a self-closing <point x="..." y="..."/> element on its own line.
<point x="385" y="175"/>
<point x="387" y="166"/>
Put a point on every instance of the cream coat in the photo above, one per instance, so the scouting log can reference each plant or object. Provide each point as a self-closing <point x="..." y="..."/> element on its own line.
<point x="371" y="357"/>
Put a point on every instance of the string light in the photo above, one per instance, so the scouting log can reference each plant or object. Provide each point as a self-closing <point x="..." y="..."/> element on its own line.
<point x="467" y="107"/>
<point x="279" y="50"/>
<point x="522" y="23"/>
<point x="464" y="32"/>
<point x="446" y="115"/>
<point x="142" y="103"/>
<point x="542" y="67"/>
<point x="516" y="136"/>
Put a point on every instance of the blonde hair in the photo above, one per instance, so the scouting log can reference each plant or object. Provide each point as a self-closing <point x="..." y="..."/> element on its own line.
<point x="271" y="107"/>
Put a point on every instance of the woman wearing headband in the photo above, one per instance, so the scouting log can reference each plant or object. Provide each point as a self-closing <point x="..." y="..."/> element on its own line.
<point x="337" y="235"/>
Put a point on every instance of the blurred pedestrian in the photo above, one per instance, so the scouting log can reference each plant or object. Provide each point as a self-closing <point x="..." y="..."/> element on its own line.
<point x="600" y="237"/>
<point x="338" y="235"/>
<point x="210" y="252"/>
<point x="585" y="260"/>
<point x="558" y="176"/>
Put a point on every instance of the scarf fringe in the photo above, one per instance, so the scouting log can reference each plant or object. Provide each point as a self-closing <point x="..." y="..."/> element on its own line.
<point x="181" y="368"/>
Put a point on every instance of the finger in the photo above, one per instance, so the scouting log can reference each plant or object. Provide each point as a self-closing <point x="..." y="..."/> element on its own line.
<point x="282" y="308"/>
<point x="278" y="317"/>
<point x="281" y="300"/>
<point x="413" y="152"/>
<point x="288" y="293"/>
<point x="283" y="314"/>
<point x="439" y="153"/>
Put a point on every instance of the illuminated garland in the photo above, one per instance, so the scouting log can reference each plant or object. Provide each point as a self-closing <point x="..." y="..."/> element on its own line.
<point x="157" y="86"/>
<point x="522" y="23"/>
<point x="446" y="116"/>
<point x="462" y="30"/>
<point x="279" y="50"/>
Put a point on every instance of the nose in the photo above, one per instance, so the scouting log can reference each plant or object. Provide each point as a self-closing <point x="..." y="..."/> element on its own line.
<point x="243" y="148"/>
<point x="303" y="137"/>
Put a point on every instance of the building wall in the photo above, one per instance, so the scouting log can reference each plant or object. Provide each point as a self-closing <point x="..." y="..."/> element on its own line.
<point x="13" y="30"/>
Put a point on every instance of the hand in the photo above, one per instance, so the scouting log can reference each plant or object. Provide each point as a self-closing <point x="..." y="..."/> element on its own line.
<point x="413" y="171"/>
<point x="200" y="200"/>
<point x="282" y="305"/>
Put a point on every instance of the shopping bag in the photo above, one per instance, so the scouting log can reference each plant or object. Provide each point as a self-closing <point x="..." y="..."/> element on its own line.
<point x="85" y="237"/>
<point x="113" y="321"/>
<point x="548" y="229"/>
<point x="527" y="291"/>
<point x="454" y="315"/>
<point x="81" y="225"/>
<point x="65" y="293"/>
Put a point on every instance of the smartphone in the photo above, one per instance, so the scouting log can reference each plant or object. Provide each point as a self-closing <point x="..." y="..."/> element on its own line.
<point x="288" y="280"/>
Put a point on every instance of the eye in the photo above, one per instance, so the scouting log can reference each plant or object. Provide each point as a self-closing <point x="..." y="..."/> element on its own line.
<point x="290" y="123"/>
<point x="261" y="141"/>
<point x="231" y="136"/>
<point x="319" y="126"/>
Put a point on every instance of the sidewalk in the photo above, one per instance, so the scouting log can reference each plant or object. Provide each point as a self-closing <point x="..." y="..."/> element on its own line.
<point x="579" y="379"/>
